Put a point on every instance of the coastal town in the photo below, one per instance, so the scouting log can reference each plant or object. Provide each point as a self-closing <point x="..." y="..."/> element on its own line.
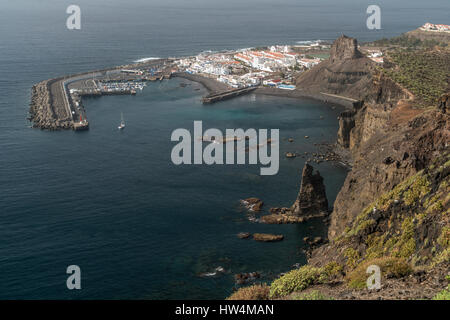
<point x="273" y="66"/>
<point x="435" y="27"/>
<point x="228" y="73"/>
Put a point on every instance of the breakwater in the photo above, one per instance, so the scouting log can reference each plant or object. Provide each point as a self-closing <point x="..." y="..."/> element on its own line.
<point x="46" y="107"/>
<point x="56" y="104"/>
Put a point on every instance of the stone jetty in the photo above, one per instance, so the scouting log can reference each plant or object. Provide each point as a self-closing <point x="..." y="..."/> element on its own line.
<point x="45" y="112"/>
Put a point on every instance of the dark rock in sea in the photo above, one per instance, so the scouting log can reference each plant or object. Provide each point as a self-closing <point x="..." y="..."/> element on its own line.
<point x="281" y="218"/>
<point x="316" y="241"/>
<point x="267" y="237"/>
<point x="243" y="278"/>
<point x="290" y="155"/>
<point x="252" y="204"/>
<point x="244" y="235"/>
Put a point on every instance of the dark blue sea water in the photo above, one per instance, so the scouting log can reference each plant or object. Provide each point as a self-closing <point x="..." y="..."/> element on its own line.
<point x="112" y="202"/>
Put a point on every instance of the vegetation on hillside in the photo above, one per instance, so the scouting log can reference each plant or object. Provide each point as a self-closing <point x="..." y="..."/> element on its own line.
<point x="425" y="73"/>
<point x="408" y="42"/>
<point x="301" y="279"/>
<point x="405" y="212"/>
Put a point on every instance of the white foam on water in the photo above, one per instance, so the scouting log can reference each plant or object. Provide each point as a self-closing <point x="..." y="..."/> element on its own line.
<point x="146" y="59"/>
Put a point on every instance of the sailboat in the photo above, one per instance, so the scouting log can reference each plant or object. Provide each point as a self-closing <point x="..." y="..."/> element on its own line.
<point x="122" y="123"/>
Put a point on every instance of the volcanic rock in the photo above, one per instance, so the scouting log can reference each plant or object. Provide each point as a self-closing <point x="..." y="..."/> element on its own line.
<point x="267" y="237"/>
<point x="253" y="204"/>
<point x="312" y="199"/>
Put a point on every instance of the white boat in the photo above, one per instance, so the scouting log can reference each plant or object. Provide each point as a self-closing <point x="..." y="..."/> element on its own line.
<point x="122" y="122"/>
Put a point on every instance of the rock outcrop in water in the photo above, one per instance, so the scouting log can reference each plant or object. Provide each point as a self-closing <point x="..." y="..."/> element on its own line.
<point x="252" y="204"/>
<point x="312" y="198"/>
<point x="311" y="201"/>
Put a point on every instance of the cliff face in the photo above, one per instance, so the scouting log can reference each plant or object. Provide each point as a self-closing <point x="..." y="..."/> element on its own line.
<point x="385" y="160"/>
<point x="312" y="198"/>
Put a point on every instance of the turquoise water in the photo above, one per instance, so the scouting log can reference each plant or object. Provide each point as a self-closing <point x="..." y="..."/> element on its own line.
<point x="112" y="202"/>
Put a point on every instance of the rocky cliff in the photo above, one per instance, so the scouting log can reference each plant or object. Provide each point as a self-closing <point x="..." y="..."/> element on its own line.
<point x="386" y="159"/>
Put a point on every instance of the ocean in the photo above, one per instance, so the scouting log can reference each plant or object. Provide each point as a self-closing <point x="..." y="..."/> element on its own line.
<point x="112" y="202"/>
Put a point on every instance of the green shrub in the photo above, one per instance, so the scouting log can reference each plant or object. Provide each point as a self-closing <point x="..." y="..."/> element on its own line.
<point x="352" y="258"/>
<point x="406" y="244"/>
<point x="444" y="238"/>
<point x="332" y="270"/>
<point x="419" y="188"/>
<point x="297" y="280"/>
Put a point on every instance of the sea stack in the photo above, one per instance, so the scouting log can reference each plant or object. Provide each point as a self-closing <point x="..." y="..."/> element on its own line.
<point x="312" y="199"/>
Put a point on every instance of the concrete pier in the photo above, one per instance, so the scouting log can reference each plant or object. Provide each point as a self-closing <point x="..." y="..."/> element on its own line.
<point x="226" y="95"/>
